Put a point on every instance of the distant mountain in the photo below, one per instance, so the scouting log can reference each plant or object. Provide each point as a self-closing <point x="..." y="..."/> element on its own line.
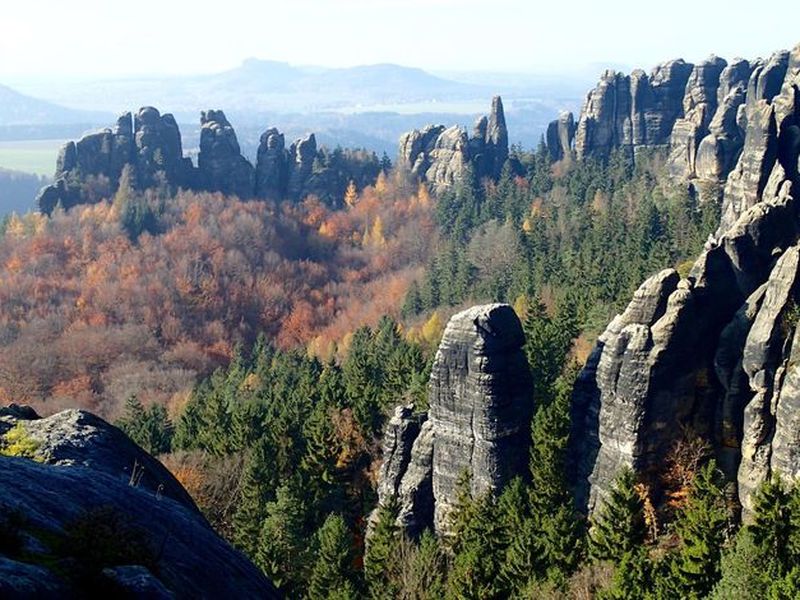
<point x="260" y="86"/>
<point x="19" y="109"/>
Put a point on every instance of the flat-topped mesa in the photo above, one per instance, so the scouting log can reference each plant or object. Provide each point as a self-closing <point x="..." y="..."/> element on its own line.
<point x="714" y="355"/>
<point x="443" y="156"/>
<point x="478" y="425"/>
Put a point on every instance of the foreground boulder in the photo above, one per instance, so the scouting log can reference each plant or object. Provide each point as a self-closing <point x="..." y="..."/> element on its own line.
<point x="89" y="514"/>
<point x="478" y="425"/>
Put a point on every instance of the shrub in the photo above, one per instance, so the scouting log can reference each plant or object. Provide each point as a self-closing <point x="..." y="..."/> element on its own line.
<point x="18" y="443"/>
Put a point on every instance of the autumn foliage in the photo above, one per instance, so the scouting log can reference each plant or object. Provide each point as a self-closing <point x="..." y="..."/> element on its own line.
<point x="90" y="314"/>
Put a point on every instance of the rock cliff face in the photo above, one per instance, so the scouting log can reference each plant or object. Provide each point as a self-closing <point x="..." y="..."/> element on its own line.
<point x="713" y="121"/>
<point x="84" y="466"/>
<point x="711" y="355"/>
<point x="150" y="144"/>
<point x="441" y="156"/>
<point x="478" y="423"/>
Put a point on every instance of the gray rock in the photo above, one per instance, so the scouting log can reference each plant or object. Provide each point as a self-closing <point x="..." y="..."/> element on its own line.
<point x="442" y="156"/>
<point x="222" y="168"/>
<point x="481" y="405"/>
<point x="301" y="164"/>
<point x="77" y="437"/>
<point x="699" y="106"/>
<point x="272" y="166"/>
<point x="713" y="354"/>
<point x="193" y="561"/>
<point x="560" y="136"/>
<point x="135" y="581"/>
<point x="481" y="402"/>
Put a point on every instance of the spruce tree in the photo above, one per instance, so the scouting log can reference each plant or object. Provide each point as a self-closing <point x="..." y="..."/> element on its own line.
<point x="428" y="568"/>
<point x="282" y="544"/>
<point x="258" y="483"/>
<point x="380" y="552"/>
<point x="771" y="525"/>
<point x="702" y="528"/>
<point x="332" y="575"/>
<point x="619" y="526"/>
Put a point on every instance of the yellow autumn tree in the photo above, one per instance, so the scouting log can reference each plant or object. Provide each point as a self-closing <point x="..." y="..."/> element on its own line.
<point x="381" y="185"/>
<point x="351" y="195"/>
<point x="423" y="195"/>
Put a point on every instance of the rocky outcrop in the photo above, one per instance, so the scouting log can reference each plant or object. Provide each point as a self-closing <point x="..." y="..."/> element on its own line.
<point x="711" y="355"/>
<point x="632" y="112"/>
<point x="301" y="163"/>
<point x="222" y="168"/>
<point x="271" y="167"/>
<point x="83" y="471"/>
<point x="443" y="156"/>
<point x="77" y="437"/>
<point x="560" y="136"/>
<point x="699" y="107"/>
<point x="150" y="144"/>
<point x="478" y="425"/>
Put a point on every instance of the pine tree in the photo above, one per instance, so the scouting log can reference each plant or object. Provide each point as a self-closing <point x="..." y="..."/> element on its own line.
<point x="632" y="577"/>
<point x="427" y="573"/>
<point x="744" y="570"/>
<point x="332" y="575"/>
<point x="258" y="483"/>
<point x="702" y="527"/>
<point x="619" y="526"/>
<point x="479" y="552"/>
<point x="282" y="545"/>
<point x="771" y="524"/>
<point x="381" y="548"/>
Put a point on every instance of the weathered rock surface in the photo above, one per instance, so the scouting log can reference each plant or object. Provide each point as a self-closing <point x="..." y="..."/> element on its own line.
<point x="632" y="112"/>
<point x="150" y="143"/>
<point x="79" y="438"/>
<point x="220" y="162"/>
<point x="80" y="474"/>
<point x="478" y="424"/>
<point x="560" y="136"/>
<point x="442" y="156"/>
<point x="712" y="354"/>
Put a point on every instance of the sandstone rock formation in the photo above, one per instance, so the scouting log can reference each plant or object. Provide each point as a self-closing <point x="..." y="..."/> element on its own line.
<point x="478" y="423"/>
<point x="632" y="112"/>
<point x="560" y="136"/>
<point x="711" y="355"/>
<point x="87" y="467"/>
<point x="441" y="156"/>
<point x="150" y="144"/>
<point x="220" y="162"/>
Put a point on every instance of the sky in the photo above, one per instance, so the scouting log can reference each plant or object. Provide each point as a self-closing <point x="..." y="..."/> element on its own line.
<point x="105" y="38"/>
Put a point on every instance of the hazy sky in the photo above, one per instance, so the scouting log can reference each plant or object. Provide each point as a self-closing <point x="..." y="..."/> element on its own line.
<point x="108" y="37"/>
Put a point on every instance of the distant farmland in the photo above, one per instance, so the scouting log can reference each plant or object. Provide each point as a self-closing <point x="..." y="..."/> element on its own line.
<point x="30" y="156"/>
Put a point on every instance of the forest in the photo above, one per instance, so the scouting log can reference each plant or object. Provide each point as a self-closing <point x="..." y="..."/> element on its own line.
<point x="258" y="348"/>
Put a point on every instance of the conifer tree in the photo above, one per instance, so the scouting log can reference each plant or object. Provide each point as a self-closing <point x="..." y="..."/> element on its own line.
<point x="282" y="544"/>
<point x="428" y="567"/>
<point x="702" y="527"/>
<point x="619" y="526"/>
<point x="380" y="552"/>
<point x="332" y="575"/>
<point x="771" y="524"/>
<point x="258" y="484"/>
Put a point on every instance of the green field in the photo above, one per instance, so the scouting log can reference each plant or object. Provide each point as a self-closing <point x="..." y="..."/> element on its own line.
<point x="31" y="156"/>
